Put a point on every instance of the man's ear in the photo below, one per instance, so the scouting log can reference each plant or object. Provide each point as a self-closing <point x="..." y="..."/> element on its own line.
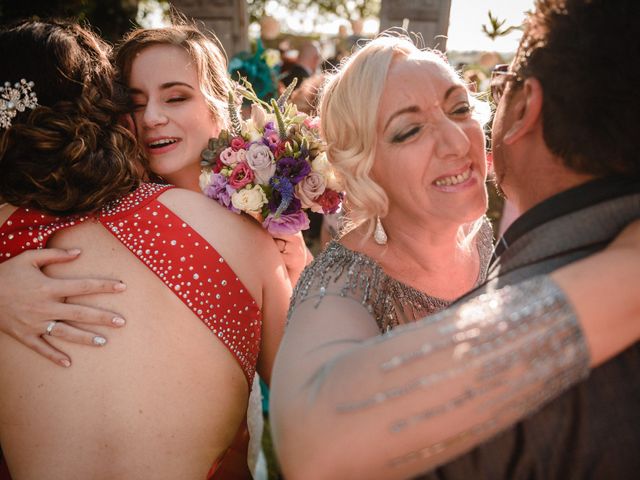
<point x="527" y="110"/>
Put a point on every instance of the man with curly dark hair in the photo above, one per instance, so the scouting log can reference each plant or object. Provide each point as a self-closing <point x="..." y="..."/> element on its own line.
<point x="564" y="153"/>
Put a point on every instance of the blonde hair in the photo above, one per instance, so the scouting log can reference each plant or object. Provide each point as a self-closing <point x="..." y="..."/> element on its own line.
<point x="348" y="110"/>
<point x="206" y="51"/>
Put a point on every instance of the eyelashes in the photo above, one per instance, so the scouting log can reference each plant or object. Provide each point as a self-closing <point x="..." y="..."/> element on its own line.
<point x="461" y="111"/>
<point x="401" y="137"/>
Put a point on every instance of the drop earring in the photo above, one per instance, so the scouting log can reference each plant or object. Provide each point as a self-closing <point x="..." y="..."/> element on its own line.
<point x="379" y="235"/>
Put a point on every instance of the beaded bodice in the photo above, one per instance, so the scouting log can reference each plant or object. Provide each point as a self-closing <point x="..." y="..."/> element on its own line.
<point x="184" y="261"/>
<point x="341" y="271"/>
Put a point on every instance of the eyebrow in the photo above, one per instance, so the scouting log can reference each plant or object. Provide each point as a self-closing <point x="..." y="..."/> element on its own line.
<point x="416" y="109"/>
<point x="452" y="89"/>
<point x="402" y="111"/>
<point x="164" y="86"/>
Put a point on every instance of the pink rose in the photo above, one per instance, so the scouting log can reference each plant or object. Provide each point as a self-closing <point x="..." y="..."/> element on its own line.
<point x="241" y="175"/>
<point x="329" y="201"/>
<point x="312" y="123"/>
<point x="260" y="159"/>
<point x="237" y="143"/>
<point x="309" y="189"/>
<point x="228" y="157"/>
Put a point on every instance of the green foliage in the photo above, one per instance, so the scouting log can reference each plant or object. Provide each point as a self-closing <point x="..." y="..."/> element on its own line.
<point x="495" y="30"/>
<point x="347" y="9"/>
<point x="110" y="18"/>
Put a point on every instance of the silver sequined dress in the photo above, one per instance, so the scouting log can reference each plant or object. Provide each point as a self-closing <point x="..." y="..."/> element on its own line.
<point x="339" y="270"/>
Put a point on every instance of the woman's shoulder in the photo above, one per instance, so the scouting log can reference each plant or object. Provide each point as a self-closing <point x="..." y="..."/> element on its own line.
<point x="338" y="271"/>
<point x="238" y="238"/>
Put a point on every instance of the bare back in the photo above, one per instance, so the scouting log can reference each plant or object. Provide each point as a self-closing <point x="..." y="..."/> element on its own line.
<point x="163" y="399"/>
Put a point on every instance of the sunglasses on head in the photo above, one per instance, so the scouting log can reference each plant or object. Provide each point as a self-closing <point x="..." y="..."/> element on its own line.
<point x="500" y="75"/>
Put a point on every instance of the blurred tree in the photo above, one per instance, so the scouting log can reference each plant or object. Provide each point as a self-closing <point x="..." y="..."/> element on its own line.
<point x="348" y="9"/>
<point x="495" y="28"/>
<point x="111" y="18"/>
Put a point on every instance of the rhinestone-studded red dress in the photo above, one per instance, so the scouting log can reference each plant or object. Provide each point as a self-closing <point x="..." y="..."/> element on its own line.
<point x="184" y="261"/>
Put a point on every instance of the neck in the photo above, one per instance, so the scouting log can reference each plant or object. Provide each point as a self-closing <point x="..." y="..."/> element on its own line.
<point x="187" y="178"/>
<point x="545" y="177"/>
<point x="428" y="259"/>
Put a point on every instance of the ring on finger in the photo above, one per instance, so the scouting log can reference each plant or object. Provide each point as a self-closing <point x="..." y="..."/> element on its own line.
<point x="50" y="326"/>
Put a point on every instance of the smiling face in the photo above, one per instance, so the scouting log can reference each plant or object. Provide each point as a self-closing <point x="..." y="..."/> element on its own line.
<point x="173" y="120"/>
<point x="430" y="157"/>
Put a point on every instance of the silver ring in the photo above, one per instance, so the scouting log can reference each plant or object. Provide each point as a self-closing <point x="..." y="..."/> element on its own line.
<point x="50" y="327"/>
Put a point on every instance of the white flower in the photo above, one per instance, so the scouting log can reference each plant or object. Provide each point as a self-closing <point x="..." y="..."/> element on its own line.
<point x="258" y="116"/>
<point x="204" y="179"/>
<point x="249" y="199"/>
<point x="260" y="159"/>
<point x="252" y="131"/>
<point x="321" y="165"/>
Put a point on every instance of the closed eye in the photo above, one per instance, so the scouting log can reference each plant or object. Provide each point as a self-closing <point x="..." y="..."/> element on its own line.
<point x="401" y="137"/>
<point x="462" y="109"/>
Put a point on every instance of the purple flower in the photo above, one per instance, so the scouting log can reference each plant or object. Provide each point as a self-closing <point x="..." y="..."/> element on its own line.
<point x="295" y="169"/>
<point x="220" y="190"/>
<point x="282" y="197"/>
<point x="286" y="224"/>
<point x="275" y="202"/>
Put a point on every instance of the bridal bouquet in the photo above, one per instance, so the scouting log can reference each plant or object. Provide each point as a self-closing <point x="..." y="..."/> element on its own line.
<point x="271" y="166"/>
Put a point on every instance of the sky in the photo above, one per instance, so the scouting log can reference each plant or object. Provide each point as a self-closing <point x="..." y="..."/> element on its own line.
<point x="468" y="16"/>
<point x="465" y="23"/>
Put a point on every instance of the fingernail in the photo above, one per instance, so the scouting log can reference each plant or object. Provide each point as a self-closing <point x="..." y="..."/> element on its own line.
<point x="118" y="321"/>
<point x="99" y="341"/>
<point x="65" y="363"/>
<point x="119" y="287"/>
<point x="74" y="251"/>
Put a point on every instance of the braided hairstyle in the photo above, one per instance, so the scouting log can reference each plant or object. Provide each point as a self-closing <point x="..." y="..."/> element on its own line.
<point x="70" y="154"/>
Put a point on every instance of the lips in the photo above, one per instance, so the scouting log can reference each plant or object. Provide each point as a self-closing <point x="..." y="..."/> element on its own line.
<point x="161" y="142"/>
<point x="455" y="179"/>
<point x="160" y="145"/>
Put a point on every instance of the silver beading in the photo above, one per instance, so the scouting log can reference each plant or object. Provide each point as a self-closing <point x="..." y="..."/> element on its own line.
<point x="15" y="99"/>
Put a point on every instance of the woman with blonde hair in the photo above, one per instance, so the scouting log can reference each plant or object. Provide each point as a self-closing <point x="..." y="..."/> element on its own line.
<point x="373" y="379"/>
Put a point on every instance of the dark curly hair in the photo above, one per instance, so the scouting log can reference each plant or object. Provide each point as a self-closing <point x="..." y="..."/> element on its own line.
<point x="70" y="154"/>
<point x="585" y="54"/>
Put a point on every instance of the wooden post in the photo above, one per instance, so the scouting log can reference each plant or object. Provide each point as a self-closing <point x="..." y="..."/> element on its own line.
<point x="430" y="18"/>
<point x="228" y="19"/>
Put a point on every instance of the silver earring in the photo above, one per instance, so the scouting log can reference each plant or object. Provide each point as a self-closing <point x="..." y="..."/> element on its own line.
<point x="379" y="235"/>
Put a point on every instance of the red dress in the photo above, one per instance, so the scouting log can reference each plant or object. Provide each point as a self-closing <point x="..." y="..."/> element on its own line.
<point x="193" y="270"/>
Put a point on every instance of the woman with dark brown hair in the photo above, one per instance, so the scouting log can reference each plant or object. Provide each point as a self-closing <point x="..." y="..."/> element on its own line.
<point x="164" y="398"/>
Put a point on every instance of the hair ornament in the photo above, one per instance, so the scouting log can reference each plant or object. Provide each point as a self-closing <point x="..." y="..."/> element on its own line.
<point x="15" y="99"/>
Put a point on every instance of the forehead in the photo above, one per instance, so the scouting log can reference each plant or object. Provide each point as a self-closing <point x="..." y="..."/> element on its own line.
<point x="162" y="63"/>
<point x="416" y="78"/>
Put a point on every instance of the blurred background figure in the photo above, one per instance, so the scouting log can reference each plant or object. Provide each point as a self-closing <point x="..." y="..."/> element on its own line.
<point x="305" y="65"/>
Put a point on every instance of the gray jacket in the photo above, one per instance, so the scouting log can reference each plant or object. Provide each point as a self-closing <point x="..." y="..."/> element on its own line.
<point x="593" y="430"/>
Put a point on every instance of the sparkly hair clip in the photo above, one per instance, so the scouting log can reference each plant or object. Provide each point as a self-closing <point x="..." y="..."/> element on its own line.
<point x="15" y="99"/>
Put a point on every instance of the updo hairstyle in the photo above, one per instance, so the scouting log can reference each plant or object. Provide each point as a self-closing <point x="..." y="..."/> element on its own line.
<point x="70" y="154"/>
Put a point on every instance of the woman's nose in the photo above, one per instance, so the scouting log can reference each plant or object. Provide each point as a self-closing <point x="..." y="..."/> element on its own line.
<point x="453" y="141"/>
<point x="154" y="115"/>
